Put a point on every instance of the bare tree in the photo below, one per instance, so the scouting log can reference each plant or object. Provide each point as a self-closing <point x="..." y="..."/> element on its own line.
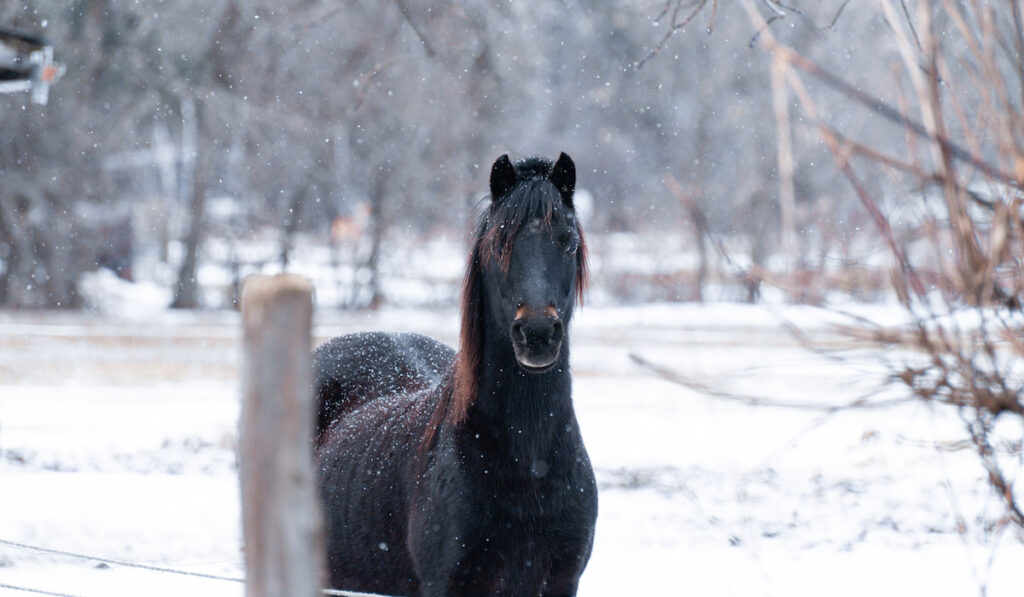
<point x="963" y="120"/>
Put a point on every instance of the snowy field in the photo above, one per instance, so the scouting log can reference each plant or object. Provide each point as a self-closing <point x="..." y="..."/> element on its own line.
<point x="117" y="440"/>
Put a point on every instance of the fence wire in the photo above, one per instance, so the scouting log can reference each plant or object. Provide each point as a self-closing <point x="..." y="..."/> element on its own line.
<point x="147" y="567"/>
<point x="35" y="591"/>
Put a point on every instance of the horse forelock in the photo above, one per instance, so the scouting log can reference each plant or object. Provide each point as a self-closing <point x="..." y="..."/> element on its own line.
<point x="531" y="200"/>
<point x="533" y="167"/>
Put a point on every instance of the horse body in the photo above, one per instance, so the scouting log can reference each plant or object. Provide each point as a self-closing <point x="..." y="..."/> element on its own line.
<point x="466" y="474"/>
<point x="357" y="368"/>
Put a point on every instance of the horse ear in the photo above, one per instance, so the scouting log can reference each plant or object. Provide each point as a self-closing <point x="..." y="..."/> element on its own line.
<point x="563" y="176"/>
<point x="503" y="177"/>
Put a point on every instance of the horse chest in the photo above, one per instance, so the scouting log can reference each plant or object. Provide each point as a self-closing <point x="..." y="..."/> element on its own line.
<point x="525" y="489"/>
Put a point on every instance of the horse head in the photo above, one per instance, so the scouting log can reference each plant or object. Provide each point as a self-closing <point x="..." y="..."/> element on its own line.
<point x="533" y="266"/>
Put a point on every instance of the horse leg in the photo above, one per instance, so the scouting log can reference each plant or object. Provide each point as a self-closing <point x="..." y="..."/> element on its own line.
<point x="468" y="576"/>
<point x="482" y="571"/>
<point x="459" y="582"/>
<point x="560" y="589"/>
<point x="564" y="574"/>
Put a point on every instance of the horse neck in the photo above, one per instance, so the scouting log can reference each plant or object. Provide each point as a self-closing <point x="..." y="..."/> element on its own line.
<point x="525" y="414"/>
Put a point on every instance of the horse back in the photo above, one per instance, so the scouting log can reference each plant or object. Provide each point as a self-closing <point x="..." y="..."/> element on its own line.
<point x="351" y="370"/>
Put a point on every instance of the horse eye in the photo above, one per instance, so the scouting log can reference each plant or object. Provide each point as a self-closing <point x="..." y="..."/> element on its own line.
<point x="574" y="245"/>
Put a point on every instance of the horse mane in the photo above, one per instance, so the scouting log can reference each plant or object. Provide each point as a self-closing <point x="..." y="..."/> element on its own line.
<point x="532" y="197"/>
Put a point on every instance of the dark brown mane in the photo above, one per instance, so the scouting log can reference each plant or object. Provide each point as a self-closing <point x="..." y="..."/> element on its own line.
<point x="534" y="198"/>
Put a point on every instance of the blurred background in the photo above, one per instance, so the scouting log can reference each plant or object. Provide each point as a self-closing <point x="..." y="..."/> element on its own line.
<point x="190" y="143"/>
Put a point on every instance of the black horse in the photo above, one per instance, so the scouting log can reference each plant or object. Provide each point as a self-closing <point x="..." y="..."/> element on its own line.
<point x="464" y="473"/>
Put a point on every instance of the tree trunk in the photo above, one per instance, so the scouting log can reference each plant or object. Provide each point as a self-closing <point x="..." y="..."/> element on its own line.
<point x="291" y="222"/>
<point x="9" y="251"/>
<point x="64" y="267"/>
<point x="377" y="228"/>
<point x="702" y="266"/>
<point x="41" y="263"/>
<point x="186" y="294"/>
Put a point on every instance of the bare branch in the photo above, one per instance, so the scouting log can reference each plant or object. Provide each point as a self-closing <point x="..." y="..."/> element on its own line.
<point x="910" y="24"/>
<point x="664" y="10"/>
<point x="700" y="218"/>
<point x="784" y="160"/>
<point x="764" y="27"/>
<point x="402" y="8"/>
<point x="319" y="21"/>
<point x="679" y="379"/>
<point x="674" y="26"/>
<point x="776" y="7"/>
<point x="892" y="114"/>
<point x="1018" y="42"/>
<point x="835" y="19"/>
<point x="364" y="83"/>
<point x="843" y="162"/>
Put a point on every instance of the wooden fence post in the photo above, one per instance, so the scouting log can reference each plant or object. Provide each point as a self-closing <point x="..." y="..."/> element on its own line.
<point x="284" y="553"/>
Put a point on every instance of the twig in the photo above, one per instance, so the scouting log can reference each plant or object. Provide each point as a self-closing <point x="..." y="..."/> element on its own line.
<point x="701" y="219"/>
<point x="849" y="145"/>
<point x="843" y="162"/>
<point x="995" y="475"/>
<point x="1018" y="42"/>
<point x="771" y="4"/>
<point x="378" y="68"/>
<point x="673" y="27"/>
<point x="319" y="21"/>
<point x="835" y="19"/>
<point x="784" y="162"/>
<point x="877" y="105"/>
<point x="952" y="445"/>
<point x="676" y="378"/>
<point x="910" y="23"/>
<point x="402" y="8"/>
<point x="764" y="27"/>
<point x="664" y="11"/>
<point x="778" y="12"/>
<point x="892" y="114"/>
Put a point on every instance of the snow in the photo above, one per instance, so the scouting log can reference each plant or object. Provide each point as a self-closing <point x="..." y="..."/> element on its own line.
<point x="117" y="439"/>
<point x="103" y="292"/>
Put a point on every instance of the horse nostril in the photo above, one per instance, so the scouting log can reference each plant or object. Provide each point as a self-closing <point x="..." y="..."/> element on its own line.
<point x="518" y="334"/>
<point x="556" y="332"/>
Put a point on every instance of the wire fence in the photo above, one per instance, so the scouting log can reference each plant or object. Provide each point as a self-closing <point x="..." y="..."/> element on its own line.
<point x="147" y="567"/>
<point x="275" y="468"/>
<point x="35" y="591"/>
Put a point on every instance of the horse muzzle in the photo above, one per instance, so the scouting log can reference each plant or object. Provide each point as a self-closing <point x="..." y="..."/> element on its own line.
<point x="537" y="342"/>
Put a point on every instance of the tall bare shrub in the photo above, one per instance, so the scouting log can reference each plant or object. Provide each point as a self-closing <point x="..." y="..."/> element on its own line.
<point x="959" y="272"/>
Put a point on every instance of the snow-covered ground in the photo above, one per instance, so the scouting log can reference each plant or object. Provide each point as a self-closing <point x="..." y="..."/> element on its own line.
<point x="117" y="440"/>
